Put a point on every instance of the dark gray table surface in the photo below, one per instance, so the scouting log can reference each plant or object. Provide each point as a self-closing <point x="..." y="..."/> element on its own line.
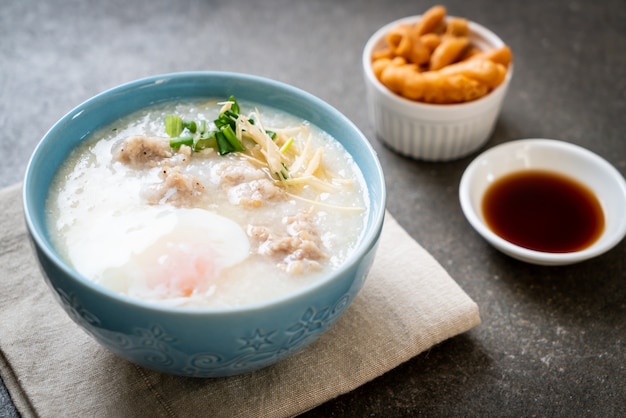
<point x="552" y="340"/>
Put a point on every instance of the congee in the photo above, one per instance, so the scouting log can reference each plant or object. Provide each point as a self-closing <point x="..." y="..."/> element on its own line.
<point x="207" y="203"/>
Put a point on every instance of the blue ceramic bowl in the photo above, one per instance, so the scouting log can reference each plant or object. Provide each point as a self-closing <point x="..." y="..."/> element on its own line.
<point x="199" y="342"/>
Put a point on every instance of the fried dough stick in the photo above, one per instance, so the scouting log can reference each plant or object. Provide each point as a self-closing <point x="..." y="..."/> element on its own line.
<point x="455" y="83"/>
<point x="433" y="61"/>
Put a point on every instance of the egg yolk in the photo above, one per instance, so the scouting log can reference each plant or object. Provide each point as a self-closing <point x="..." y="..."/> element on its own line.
<point x="183" y="271"/>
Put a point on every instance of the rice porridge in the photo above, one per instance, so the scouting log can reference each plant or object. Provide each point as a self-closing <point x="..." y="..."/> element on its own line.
<point x="207" y="203"/>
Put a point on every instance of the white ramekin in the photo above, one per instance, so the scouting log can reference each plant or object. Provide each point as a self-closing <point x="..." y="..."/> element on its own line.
<point x="432" y="132"/>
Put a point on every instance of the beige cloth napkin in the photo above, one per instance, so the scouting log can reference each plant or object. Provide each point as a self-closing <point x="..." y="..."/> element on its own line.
<point x="52" y="368"/>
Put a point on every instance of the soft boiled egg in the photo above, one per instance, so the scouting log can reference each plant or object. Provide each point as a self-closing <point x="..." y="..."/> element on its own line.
<point x="172" y="255"/>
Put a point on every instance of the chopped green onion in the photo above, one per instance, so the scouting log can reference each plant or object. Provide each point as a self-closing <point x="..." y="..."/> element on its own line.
<point x="183" y="140"/>
<point x="191" y="125"/>
<point x="173" y="126"/>
<point x="223" y="145"/>
<point x="271" y="134"/>
<point x="231" y="114"/>
<point x="230" y="135"/>
<point x="284" y="173"/>
<point x="224" y="139"/>
<point x="235" y="106"/>
<point x="227" y="118"/>
<point x="205" y="142"/>
<point x="287" y="145"/>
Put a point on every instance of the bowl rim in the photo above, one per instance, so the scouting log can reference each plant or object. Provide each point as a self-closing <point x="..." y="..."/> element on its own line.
<point x="525" y="254"/>
<point x="368" y="240"/>
<point x="476" y="29"/>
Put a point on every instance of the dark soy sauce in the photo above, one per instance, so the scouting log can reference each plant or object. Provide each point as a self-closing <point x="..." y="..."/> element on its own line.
<point x="543" y="211"/>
